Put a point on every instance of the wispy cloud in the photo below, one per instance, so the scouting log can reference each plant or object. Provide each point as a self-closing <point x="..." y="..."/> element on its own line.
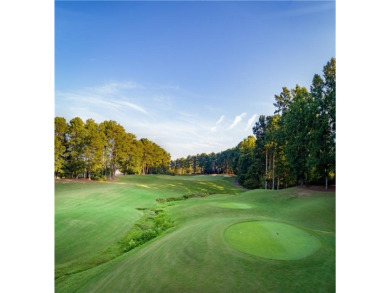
<point x="103" y="98"/>
<point x="132" y="106"/>
<point x="162" y="118"/>
<point x="114" y="87"/>
<point x="221" y="119"/>
<point x="237" y="120"/>
<point x="251" y="121"/>
<point x="216" y="126"/>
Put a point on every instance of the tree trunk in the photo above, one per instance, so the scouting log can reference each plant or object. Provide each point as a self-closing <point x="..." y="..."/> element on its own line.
<point x="326" y="180"/>
<point x="266" y="168"/>
<point x="273" y="172"/>
<point x="278" y="182"/>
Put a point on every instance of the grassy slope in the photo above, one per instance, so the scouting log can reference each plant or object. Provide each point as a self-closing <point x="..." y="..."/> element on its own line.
<point x="92" y="216"/>
<point x="194" y="256"/>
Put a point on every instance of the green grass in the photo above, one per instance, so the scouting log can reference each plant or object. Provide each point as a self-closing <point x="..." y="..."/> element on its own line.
<point x="91" y="217"/>
<point x="194" y="255"/>
<point x="271" y="240"/>
<point x="234" y="205"/>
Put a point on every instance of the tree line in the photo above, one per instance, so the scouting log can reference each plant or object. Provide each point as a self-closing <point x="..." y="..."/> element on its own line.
<point x="296" y="145"/>
<point x="97" y="150"/>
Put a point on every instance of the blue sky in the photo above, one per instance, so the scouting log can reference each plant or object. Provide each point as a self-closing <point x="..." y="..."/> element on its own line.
<point x="191" y="76"/>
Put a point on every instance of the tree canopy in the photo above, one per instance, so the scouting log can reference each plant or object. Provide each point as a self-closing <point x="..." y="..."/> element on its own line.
<point x="95" y="151"/>
<point x="296" y="145"/>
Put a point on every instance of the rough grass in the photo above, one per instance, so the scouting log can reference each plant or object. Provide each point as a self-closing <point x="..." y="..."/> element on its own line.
<point x="192" y="256"/>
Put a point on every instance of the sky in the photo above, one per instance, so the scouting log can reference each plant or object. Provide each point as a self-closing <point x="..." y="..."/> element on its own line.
<point x="191" y="76"/>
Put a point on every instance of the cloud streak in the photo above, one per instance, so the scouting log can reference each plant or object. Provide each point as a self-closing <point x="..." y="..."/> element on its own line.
<point x="132" y="106"/>
<point x="115" y="87"/>
<point x="109" y="96"/>
<point x="220" y="119"/>
<point x="237" y="120"/>
<point x="251" y="121"/>
<point x="146" y="113"/>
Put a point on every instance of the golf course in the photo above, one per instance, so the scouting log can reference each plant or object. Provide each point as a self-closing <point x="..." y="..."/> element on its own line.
<point x="192" y="233"/>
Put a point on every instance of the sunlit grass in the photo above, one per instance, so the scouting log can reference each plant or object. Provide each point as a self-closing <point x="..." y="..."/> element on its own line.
<point x="192" y="256"/>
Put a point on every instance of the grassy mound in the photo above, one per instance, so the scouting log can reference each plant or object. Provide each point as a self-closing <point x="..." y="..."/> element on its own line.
<point x="272" y="240"/>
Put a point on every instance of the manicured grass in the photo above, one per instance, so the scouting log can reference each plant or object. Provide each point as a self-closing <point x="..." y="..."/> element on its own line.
<point x="271" y="240"/>
<point x="91" y="217"/>
<point x="194" y="255"/>
<point x="234" y="205"/>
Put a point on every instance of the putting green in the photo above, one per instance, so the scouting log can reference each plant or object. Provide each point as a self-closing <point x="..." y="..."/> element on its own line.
<point x="271" y="240"/>
<point x="234" y="205"/>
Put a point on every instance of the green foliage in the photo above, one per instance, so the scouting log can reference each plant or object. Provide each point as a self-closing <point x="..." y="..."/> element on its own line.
<point x="251" y="183"/>
<point x="221" y="163"/>
<point x="99" y="177"/>
<point x="296" y="145"/>
<point x="94" y="147"/>
<point x="146" y="229"/>
<point x="60" y="129"/>
<point x="183" y="197"/>
<point x="90" y="150"/>
<point x="154" y="159"/>
<point x="297" y="121"/>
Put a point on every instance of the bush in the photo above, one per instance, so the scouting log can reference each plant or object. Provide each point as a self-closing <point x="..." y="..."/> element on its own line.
<point x="162" y="221"/>
<point x="98" y="177"/>
<point x="146" y="229"/>
<point x="132" y="244"/>
<point x="241" y="179"/>
<point x="251" y="184"/>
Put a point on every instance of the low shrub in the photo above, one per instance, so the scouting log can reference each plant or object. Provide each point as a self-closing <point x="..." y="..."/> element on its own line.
<point x="183" y="197"/>
<point x="146" y="229"/>
<point x="98" y="177"/>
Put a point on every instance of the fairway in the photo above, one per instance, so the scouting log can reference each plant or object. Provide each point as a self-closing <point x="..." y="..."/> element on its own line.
<point x="271" y="240"/>
<point x="234" y="205"/>
<point x="222" y="239"/>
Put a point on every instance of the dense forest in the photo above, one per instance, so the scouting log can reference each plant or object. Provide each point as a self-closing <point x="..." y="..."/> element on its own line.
<point x="96" y="151"/>
<point x="296" y="145"/>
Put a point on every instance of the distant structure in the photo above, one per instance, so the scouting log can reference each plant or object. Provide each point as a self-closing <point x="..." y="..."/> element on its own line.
<point x="118" y="173"/>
